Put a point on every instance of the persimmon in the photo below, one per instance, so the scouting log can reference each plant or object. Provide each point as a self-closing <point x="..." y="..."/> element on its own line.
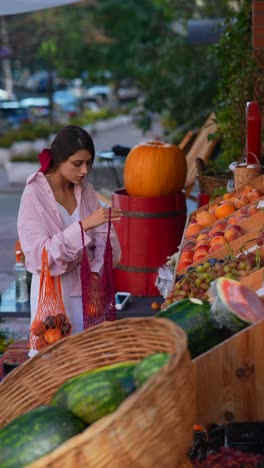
<point x="38" y="328"/>
<point x="52" y="335"/>
<point x="224" y="210"/>
<point x="228" y="196"/>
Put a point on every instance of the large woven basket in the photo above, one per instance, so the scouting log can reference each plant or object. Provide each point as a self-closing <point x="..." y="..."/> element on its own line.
<point x="152" y="428"/>
<point x="209" y="183"/>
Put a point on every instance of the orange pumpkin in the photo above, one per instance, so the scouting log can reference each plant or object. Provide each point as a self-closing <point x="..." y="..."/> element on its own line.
<point x="153" y="169"/>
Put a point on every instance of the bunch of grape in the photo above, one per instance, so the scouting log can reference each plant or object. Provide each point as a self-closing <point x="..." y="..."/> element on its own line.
<point x="196" y="281"/>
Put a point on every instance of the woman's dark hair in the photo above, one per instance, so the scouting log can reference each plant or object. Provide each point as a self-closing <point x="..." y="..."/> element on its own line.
<point x="67" y="142"/>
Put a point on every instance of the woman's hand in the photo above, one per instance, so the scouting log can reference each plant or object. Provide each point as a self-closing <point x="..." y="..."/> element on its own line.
<point x="101" y="216"/>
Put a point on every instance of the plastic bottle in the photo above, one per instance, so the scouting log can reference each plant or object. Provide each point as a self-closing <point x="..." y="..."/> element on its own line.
<point x="21" y="279"/>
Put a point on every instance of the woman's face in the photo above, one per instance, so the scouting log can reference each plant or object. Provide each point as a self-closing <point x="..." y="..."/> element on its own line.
<point x="77" y="166"/>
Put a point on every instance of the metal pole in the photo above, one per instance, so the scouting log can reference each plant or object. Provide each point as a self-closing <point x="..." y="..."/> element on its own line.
<point x="6" y="64"/>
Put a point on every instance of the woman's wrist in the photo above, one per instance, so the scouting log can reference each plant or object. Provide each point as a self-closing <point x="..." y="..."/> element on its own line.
<point x="85" y="224"/>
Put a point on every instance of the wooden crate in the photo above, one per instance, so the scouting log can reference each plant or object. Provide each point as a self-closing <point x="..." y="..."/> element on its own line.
<point x="257" y="183"/>
<point x="255" y="281"/>
<point x="230" y="379"/>
<point x="251" y="227"/>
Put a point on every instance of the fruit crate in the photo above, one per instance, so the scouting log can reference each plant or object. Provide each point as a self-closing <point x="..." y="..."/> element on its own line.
<point x="230" y="379"/>
<point x="255" y="281"/>
<point x="257" y="183"/>
<point x="251" y="227"/>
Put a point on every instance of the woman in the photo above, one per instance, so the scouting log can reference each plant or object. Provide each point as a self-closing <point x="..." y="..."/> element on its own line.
<point x="54" y="200"/>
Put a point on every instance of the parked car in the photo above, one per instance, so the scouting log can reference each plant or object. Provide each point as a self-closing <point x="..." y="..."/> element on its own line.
<point x="38" y="107"/>
<point x="13" y="115"/>
<point x="39" y="82"/>
<point x="67" y="101"/>
<point x="128" y="93"/>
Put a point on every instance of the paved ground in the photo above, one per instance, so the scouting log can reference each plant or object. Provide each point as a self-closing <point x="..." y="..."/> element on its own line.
<point x="126" y="134"/>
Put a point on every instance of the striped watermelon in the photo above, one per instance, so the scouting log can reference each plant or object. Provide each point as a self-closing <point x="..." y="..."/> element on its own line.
<point x="35" y="434"/>
<point x="234" y="305"/>
<point x="194" y="317"/>
<point x="94" y="395"/>
<point x="149" y="366"/>
<point x="123" y="372"/>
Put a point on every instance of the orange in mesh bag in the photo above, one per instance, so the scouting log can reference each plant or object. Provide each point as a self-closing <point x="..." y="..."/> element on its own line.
<point x="51" y="322"/>
<point x="98" y="292"/>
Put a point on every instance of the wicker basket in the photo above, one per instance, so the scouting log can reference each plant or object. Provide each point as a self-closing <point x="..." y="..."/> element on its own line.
<point x="152" y="428"/>
<point x="208" y="183"/>
<point x="244" y="174"/>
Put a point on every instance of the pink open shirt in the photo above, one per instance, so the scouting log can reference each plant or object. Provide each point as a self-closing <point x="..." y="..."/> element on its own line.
<point x="39" y="224"/>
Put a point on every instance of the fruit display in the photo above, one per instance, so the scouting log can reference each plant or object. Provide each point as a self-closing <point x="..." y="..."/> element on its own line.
<point x="201" y="242"/>
<point x="196" y="282"/>
<point x="49" y="330"/>
<point x="194" y="317"/>
<point x="231" y="202"/>
<point x="35" y="434"/>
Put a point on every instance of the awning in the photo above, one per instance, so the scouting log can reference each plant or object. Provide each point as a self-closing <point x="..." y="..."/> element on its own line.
<point x="13" y="7"/>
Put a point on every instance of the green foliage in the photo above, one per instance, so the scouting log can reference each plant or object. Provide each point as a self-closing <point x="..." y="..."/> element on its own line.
<point x="89" y="116"/>
<point x="27" y="132"/>
<point x="147" y="42"/>
<point x="241" y="81"/>
<point x="29" y="156"/>
<point x="5" y="340"/>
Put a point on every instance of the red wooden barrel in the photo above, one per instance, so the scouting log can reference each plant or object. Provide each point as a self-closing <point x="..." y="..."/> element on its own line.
<point x="149" y="231"/>
<point x="203" y="199"/>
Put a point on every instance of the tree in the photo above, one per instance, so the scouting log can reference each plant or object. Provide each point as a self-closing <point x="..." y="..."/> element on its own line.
<point x="241" y="80"/>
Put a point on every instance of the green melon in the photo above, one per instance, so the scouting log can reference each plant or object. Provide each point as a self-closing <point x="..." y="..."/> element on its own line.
<point x="92" y="396"/>
<point x="122" y="371"/>
<point x="194" y="317"/>
<point x="35" y="434"/>
<point x="148" y="366"/>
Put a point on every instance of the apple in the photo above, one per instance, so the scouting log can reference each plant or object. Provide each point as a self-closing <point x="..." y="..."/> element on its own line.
<point x="184" y="264"/>
<point x="233" y="232"/>
<point x="202" y="247"/>
<point x="201" y="236"/>
<point x="217" y="233"/>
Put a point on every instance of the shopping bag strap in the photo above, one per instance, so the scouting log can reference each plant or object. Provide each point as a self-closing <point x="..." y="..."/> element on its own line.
<point x="45" y="273"/>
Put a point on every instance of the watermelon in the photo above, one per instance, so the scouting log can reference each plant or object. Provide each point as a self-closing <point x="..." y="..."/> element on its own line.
<point x="234" y="305"/>
<point x="122" y="371"/>
<point x="148" y="366"/>
<point x="194" y="317"/>
<point x="35" y="434"/>
<point x="93" y="395"/>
